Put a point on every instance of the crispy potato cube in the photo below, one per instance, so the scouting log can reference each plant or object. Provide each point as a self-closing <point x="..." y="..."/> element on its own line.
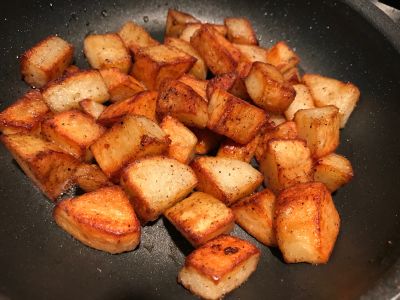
<point x="177" y="21"/>
<point x="292" y="76"/>
<point x="155" y="64"/>
<point x="66" y="93"/>
<point x="105" y="51"/>
<point x="103" y="219"/>
<point x="224" y="82"/>
<point x="303" y="100"/>
<point x="120" y="86"/>
<point x="130" y="139"/>
<point x="90" y="177"/>
<point x="329" y="91"/>
<point x="320" y="128"/>
<point x="307" y="223"/>
<point x="252" y="53"/>
<point x="267" y="88"/>
<point x="183" y="141"/>
<point x="182" y="102"/>
<point x="219" y="266"/>
<point x="333" y="170"/>
<point x="255" y="214"/>
<point x="282" y="57"/>
<point x="191" y="29"/>
<point x="157" y="183"/>
<point x="231" y="149"/>
<point x="226" y="179"/>
<point x="240" y="31"/>
<point x="218" y="53"/>
<point x="74" y="132"/>
<point x="234" y="117"/>
<point x="142" y="104"/>
<point x="200" y="218"/>
<point x="92" y="108"/>
<point x="199" y="69"/>
<point x="46" y="61"/>
<point x="206" y="140"/>
<point x="25" y="114"/>
<point x="198" y="85"/>
<point x="71" y="69"/>
<point x="45" y="163"/>
<point x="135" y="37"/>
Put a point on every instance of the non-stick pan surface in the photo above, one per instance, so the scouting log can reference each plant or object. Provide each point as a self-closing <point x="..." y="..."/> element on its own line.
<point x="346" y="40"/>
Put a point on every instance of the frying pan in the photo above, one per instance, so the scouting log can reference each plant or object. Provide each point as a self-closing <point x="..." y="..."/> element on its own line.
<point x="348" y="40"/>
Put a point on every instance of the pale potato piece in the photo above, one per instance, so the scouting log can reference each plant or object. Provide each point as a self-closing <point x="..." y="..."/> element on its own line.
<point x="136" y="37"/>
<point x="282" y="57"/>
<point x="177" y="21"/>
<point x="103" y="219"/>
<point x="155" y="184"/>
<point x="252" y="53"/>
<point x="231" y="149"/>
<point x="303" y="100"/>
<point x="198" y="85"/>
<point x="307" y="223"/>
<point x="226" y="179"/>
<point x="90" y="177"/>
<point x="206" y="140"/>
<point x="292" y="76"/>
<point x="200" y="218"/>
<point x="277" y="119"/>
<point x="191" y="29"/>
<point x="92" y="108"/>
<point x="329" y="91"/>
<point x="219" y="266"/>
<point x="46" y="61"/>
<point x="240" y="31"/>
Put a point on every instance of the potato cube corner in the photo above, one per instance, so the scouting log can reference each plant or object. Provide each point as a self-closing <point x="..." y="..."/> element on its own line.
<point x="302" y="100"/>
<point x="206" y="140"/>
<point x="90" y="177"/>
<point x="240" y="31"/>
<point x="92" y="108"/>
<point x="177" y="21"/>
<point x="282" y="57"/>
<point x="136" y="37"/>
<point x="231" y="149"/>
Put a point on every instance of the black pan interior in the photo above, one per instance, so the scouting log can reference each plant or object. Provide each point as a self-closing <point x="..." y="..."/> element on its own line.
<point x="40" y="261"/>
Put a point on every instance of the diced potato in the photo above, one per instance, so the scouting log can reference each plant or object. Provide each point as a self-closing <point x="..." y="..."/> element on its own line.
<point x="200" y="218"/>
<point x="252" y="53"/>
<point x="206" y="140"/>
<point x="71" y="69"/>
<point x="231" y="149"/>
<point x="333" y="170"/>
<point x="267" y="88"/>
<point x="43" y="162"/>
<point x="320" y="128"/>
<point x="25" y="114"/>
<point x="92" y="108"/>
<point x="255" y="214"/>
<point x="191" y="29"/>
<point x="277" y="119"/>
<point x="177" y="21"/>
<point x="155" y="64"/>
<point x="292" y="76"/>
<point x="157" y="183"/>
<point x="199" y="69"/>
<point x="136" y="37"/>
<point x="307" y="223"/>
<point x="46" y="61"/>
<point x="66" y="93"/>
<point x="224" y="82"/>
<point x="198" y="85"/>
<point x="90" y="177"/>
<point x="183" y="141"/>
<point x="329" y="91"/>
<point x="105" y="51"/>
<point x="282" y="57"/>
<point x="130" y="139"/>
<point x="219" y="266"/>
<point x="286" y="163"/>
<point x="120" y="86"/>
<point x="226" y="179"/>
<point x="182" y="102"/>
<point x="234" y="117"/>
<point x="218" y="53"/>
<point x="303" y="100"/>
<point x="240" y="31"/>
<point x="141" y="104"/>
<point x="103" y="219"/>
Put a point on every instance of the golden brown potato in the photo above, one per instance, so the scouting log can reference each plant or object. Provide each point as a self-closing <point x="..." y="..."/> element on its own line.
<point x="136" y="37"/>
<point x="92" y="108"/>
<point x="74" y="132"/>
<point x="252" y="53"/>
<point x="240" y="31"/>
<point x="182" y="102"/>
<point x="224" y="82"/>
<point x="329" y="91"/>
<point x="90" y="177"/>
<point x="191" y="29"/>
<point x="234" y="117"/>
<point x="141" y="104"/>
<point x="333" y="170"/>
<point x="285" y="163"/>
<point x="199" y="86"/>
<point x="303" y="100"/>
<point x="200" y="218"/>
<point x="177" y="21"/>
<point x="120" y="86"/>
<point x="25" y="114"/>
<point x="206" y="140"/>
<point x="267" y="88"/>
<point x="153" y="65"/>
<point x="307" y="223"/>
<point x="282" y="57"/>
<point x="183" y="141"/>
<point x="218" y="53"/>
<point x="155" y="184"/>
<point x="66" y="93"/>
<point x="103" y="219"/>
<point x="276" y="119"/>
<point x="320" y="128"/>
<point x="218" y="267"/>
<point x="226" y="179"/>
<point x="46" y="61"/>
<point x="43" y="162"/>
<point x="132" y="138"/>
<point x="255" y="214"/>
<point x="292" y="76"/>
<point x="231" y="149"/>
